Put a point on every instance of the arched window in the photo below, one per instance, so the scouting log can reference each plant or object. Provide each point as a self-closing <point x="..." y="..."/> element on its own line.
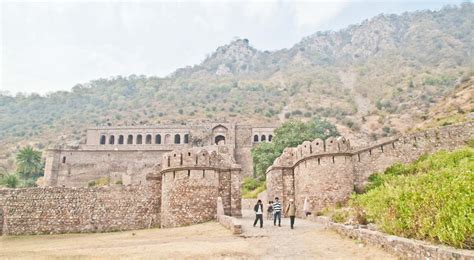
<point x="64" y="159"/>
<point x="148" y="139"/>
<point x="102" y="139"/>
<point x="158" y="139"/>
<point x="186" y="138"/>
<point x="112" y="139"/>
<point x="263" y="138"/>
<point x="255" y="138"/>
<point x="130" y="139"/>
<point x="120" y="140"/>
<point x="177" y="139"/>
<point x="220" y="140"/>
<point x="139" y="139"/>
<point x="270" y="137"/>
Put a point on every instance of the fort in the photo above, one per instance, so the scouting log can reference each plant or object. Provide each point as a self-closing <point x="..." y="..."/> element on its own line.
<point x="128" y="154"/>
<point x="174" y="175"/>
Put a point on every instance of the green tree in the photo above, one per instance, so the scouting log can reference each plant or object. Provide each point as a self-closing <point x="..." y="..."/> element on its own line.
<point x="29" y="163"/>
<point x="290" y="134"/>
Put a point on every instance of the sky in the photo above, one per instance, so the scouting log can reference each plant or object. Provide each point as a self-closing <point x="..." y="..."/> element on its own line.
<point x="53" y="45"/>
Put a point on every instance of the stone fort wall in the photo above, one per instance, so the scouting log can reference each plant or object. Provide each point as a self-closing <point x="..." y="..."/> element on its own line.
<point x="181" y="192"/>
<point x="128" y="154"/>
<point x="76" y="210"/>
<point x="327" y="172"/>
<point x="192" y="180"/>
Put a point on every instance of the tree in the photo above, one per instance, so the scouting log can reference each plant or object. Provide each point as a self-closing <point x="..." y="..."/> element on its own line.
<point x="290" y="134"/>
<point x="29" y="163"/>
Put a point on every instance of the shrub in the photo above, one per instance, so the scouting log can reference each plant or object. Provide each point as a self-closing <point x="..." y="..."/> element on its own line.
<point x="10" y="181"/>
<point x="429" y="199"/>
<point x="252" y="187"/>
<point x="340" y="216"/>
<point x="99" y="182"/>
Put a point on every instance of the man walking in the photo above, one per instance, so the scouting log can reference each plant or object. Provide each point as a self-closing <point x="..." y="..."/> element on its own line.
<point x="291" y="211"/>
<point x="277" y="212"/>
<point x="258" y="213"/>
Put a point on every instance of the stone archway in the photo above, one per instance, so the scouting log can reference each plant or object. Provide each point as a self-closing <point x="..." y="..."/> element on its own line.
<point x="219" y="133"/>
<point x="219" y="140"/>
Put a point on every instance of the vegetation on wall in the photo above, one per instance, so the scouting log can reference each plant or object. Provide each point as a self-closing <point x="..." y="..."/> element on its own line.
<point x="430" y="199"/>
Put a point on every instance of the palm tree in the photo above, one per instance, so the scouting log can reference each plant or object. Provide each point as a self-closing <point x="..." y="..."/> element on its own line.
<point x="28" y="162"/>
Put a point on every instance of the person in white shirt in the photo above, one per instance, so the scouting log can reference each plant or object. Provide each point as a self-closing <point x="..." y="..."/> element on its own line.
<point x="258" y="213"/>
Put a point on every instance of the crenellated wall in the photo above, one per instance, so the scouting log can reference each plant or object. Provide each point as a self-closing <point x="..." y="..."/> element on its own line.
<point x="192" y="179"/>
<point x="181" y="192"/>
<point x="327" y="172"/>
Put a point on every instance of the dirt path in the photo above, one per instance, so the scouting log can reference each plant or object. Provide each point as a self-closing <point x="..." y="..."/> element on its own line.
<point x="307" y="240"/>
<point x="204" y="241"/>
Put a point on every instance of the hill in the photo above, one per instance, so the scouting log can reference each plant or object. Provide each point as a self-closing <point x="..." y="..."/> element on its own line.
<point x="372" y="79"/>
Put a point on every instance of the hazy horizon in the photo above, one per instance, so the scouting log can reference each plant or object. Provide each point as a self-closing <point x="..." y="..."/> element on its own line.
<point x="53" y="46"/>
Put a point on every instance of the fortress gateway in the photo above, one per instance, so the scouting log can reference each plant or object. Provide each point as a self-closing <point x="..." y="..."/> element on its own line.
<point x="127" y="154"/>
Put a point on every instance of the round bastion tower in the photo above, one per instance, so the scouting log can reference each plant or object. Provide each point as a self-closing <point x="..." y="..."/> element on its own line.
<point x="192" y="180"/>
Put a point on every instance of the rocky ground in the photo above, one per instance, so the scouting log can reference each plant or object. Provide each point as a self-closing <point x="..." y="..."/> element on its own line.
<point x="204" y="241"/>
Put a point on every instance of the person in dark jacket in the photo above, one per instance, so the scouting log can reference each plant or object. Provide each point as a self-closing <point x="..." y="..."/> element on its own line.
<point x="258" y="213"/>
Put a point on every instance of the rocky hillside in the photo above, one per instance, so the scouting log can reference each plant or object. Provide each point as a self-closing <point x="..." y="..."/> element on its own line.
<point x="372" y="79"/>
<point x="456" y="107"/>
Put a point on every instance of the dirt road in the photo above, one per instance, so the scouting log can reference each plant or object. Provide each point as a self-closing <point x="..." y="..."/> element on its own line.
<point x="204" y="241"/>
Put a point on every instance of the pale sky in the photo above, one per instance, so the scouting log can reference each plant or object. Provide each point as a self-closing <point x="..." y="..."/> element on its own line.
<point x="53" y="45"/>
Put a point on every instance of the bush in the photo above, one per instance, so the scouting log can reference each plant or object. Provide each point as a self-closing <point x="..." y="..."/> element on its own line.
<point x="430" y="199"/>
<point x="340" y="216"/>
<point x="252" y="187"/>
<point x="10" y="181"/>
<point x="104" y="181"/>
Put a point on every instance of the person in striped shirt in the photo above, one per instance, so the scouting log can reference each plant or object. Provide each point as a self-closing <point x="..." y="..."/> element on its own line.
<point x="277" y="212"/>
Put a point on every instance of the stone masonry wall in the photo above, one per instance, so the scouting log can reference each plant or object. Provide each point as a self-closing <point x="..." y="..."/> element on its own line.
<point x="322" y="182"/>
<point x="75" y="210"/>
<point x="76" y="168"/>
<point x="192" y="180"/>
<point x="119" y="160"/>
<point x="326" y="172"/>
<point x="408" y="148"/>
<point x="189" y="199"/>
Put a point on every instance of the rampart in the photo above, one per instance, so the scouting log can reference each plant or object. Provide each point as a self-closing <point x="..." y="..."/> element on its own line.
<point x="181" y="192"/>
<point x="76" y="210"/>
<point x="327" y="172"/>
<point x="193" y="179"/>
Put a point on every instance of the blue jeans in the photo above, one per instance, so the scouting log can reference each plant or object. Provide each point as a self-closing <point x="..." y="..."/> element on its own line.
<point x="276" y="215"/>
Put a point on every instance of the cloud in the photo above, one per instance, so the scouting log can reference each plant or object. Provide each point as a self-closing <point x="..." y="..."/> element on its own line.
<point x="310" y="15"/>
